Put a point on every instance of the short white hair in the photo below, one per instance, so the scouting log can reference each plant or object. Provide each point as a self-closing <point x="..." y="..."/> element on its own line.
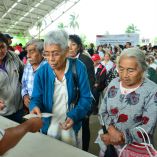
<point x="137" y="54"/>
<point x="38" y="43"/>
<point x="58" y="37"/>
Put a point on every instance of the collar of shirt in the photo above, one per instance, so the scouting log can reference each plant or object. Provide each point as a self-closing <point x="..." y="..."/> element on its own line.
<point x="127" y="90"/>
<point x="66" y="69"/>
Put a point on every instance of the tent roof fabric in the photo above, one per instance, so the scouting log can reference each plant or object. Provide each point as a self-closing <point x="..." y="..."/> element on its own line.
<point x="17" y="16"/>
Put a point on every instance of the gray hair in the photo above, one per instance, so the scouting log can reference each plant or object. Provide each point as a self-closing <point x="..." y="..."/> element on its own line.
<point x="137" y="54"/>
<point x="38" y="43"/>
<point x="59" y="37"/>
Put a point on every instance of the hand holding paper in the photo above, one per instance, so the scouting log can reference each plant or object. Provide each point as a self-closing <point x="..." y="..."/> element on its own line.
<point x="43" y="115"/>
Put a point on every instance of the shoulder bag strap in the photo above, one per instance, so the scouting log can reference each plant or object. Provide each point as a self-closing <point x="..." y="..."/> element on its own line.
<point x="75" y="79"/>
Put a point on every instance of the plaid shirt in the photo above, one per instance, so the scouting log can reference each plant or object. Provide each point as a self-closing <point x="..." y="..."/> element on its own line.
<point x="28" y="79"/>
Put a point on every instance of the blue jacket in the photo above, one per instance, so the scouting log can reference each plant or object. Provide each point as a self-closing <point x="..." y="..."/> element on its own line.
<point x="43" y="91"/>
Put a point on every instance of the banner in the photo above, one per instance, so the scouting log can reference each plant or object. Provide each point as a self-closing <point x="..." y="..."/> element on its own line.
<point x="120" y="39"/>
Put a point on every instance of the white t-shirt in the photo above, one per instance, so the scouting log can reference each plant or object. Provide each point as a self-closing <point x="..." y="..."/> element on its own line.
<point x="60" y="104"/>
<point x="60" y="107"/>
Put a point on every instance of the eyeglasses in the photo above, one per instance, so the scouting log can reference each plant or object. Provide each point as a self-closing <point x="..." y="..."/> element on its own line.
<point x="51" y="54"/>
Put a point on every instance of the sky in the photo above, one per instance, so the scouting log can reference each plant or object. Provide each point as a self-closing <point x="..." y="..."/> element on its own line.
<point x="96" y="17"/>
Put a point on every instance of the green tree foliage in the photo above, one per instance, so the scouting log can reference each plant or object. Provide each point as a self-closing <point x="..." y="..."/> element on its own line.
<point x="155" y="41"/>
<point x="73" y="21"/>
<point x="20" y="38"/>
<point x="131" y="29"/>
<point x="84" y="39"/>
<point x="61" y="26"/>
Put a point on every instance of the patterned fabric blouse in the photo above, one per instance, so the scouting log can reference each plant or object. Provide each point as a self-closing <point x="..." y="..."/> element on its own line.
<point x="127" y="111"/>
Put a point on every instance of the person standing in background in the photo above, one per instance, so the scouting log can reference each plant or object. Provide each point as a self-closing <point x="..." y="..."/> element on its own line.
<point x="100" y="81"/>
<point x="11" y="70"/>
<point x="91" y="49"/>
<point x="9" y="40"/>
<point x="76" y="51"/>
<point x="35" y="57"/>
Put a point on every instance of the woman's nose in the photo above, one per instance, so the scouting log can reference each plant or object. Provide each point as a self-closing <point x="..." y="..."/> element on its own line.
<point x="125" y="73"/>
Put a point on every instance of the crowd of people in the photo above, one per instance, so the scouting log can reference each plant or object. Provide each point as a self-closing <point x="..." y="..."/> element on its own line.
<point x="110" y="81"/>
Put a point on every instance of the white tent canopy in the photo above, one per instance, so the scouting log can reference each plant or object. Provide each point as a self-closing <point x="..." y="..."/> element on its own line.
<point x="18" y="16"/>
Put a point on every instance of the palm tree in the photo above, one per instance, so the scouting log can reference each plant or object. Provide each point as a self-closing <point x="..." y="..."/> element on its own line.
<point x="131" y="29"/>
<point x="39" y="25"/>
<point x="84" y="39"/>
<point x="73" y="21"/>
<point x="61" y="26"/>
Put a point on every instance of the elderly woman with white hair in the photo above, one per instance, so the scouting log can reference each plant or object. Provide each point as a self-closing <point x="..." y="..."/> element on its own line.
<point x="130" y="101"/>
<point x="54" y="90"/>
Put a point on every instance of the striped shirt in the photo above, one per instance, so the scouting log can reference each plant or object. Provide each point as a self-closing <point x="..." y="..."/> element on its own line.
<point x="28" y="78"/>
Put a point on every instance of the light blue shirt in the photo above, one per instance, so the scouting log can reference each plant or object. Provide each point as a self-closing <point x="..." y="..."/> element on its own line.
<point x="28" y="78"/>
<point x="109" y="65"/>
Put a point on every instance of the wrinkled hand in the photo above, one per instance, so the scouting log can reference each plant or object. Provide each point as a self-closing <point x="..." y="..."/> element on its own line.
<point x="67" y="124"/>
<point x="105" y="138"/>
<point x="26" y="100"/>
<point x="116" y="137"/>
<point x="36" y="110"/>
<point x="2" y="104"/>
<point x="113" y="136"/>
<point x="34" y="124"/>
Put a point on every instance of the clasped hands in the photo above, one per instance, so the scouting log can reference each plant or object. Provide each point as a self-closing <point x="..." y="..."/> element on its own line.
<point x="114" y="136"/>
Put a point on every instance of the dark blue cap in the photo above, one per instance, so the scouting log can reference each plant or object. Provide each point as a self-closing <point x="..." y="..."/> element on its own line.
<point x="8" y="36"/>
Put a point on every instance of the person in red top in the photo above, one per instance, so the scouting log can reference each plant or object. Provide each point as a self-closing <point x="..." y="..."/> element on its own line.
<point x="100" y="83"/>
<point x="18" y="48"/>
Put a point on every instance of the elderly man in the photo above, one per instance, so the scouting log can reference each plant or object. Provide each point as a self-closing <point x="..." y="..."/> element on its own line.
<point x="130" y="101"/>
<point x="11" y="69"/>
<point x="35" y="61"/>
<point x="54" y="90"/>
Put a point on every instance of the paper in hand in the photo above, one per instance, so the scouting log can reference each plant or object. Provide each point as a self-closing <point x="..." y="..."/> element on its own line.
<point x="43" y="115"/>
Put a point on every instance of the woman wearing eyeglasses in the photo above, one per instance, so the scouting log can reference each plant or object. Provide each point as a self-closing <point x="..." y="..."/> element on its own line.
<point x="54" y="90"/>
